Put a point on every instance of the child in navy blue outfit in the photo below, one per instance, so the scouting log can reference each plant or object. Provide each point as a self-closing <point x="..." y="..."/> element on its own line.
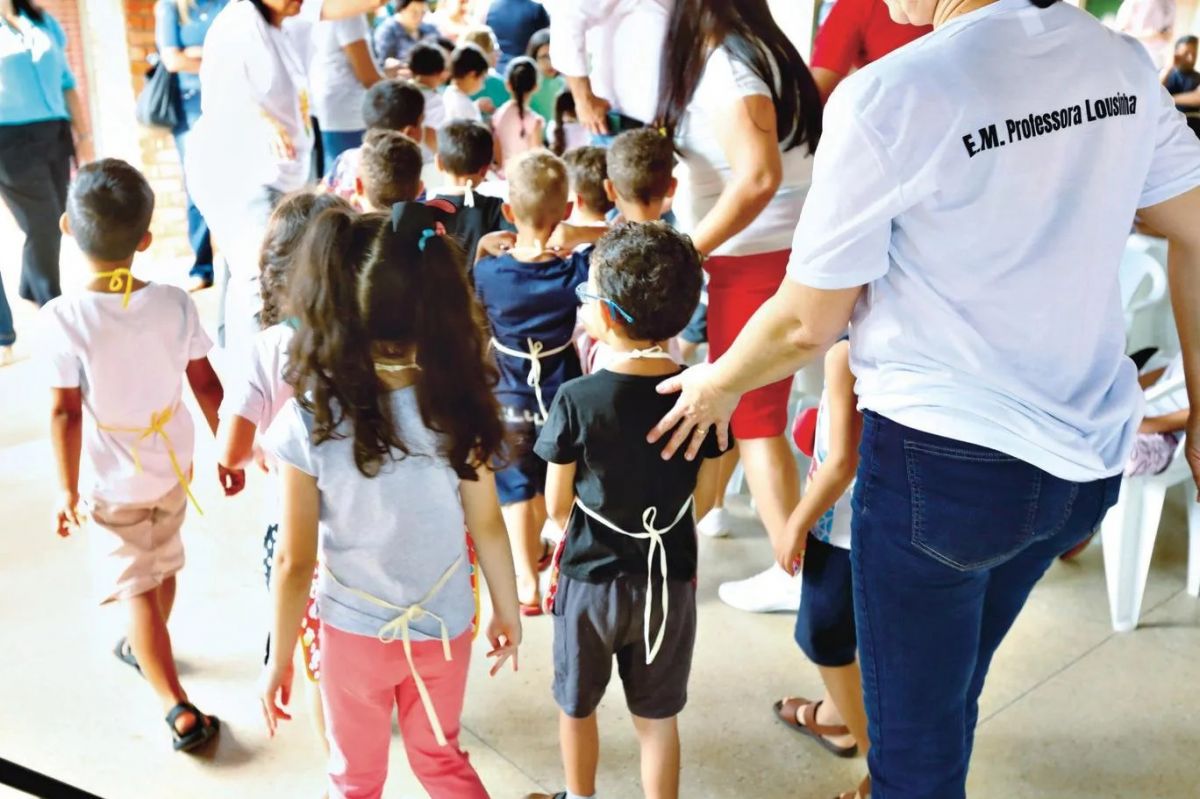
<point x="529" y="295"/>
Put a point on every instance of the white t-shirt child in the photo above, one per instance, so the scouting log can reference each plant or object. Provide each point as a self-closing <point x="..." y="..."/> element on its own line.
<point x="457" y="104"/>
<point x="129" y="363"/>
<point x="987" y="220"/>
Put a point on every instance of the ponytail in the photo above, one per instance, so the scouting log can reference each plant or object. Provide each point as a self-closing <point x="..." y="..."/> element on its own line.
<point x="522" y="78"/>
<point x="564" y="104"/>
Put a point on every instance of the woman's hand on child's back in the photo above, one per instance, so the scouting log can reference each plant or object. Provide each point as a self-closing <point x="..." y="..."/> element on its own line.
<point x="504" y="634"/>
<point x="275" y="693"/>
<point x="67" y="516"/>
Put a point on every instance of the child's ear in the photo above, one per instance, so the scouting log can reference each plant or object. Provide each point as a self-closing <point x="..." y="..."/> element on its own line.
<point x="64" y="225"/>
<point x="674" y="184"/>
<point x="609" y="190"/>
<point x="507" y="210"/>
<point x="567" y="213"/>
<point x="144" y="244"/>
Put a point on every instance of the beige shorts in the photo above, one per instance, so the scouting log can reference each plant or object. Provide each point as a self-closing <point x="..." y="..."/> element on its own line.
<point x="136" y="546"/>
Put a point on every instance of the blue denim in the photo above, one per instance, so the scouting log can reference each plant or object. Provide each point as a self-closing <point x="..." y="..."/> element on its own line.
<point x="198" y="233"/>
<point x="8" y="333"/>
<point x="336" y="142"/>
<point x="948" y="541"/>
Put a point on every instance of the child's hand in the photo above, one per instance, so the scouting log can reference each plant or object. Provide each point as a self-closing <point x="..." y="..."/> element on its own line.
<point x="789" y="549"/>
<point x="276" y="684"/>
<point x="232" y="480"/>
<point x="67" y="516"/>
<point x="496" y="243"/>
<point x="504" y="634"/>
<point x="567" y="237"/>
<point x="485" y="105"/>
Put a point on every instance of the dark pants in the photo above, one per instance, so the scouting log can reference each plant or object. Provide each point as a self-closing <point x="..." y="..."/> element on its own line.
<point x="35" y="167"/>
<point x="198" y="233"/>
<point x="949" y="539"/>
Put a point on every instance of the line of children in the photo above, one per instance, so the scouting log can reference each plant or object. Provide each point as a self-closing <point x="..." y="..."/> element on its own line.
<point x="117" y="354"/>
<point x="627" y="563"/>
<point x="464" y="156"/>
<point x="384" y="450"/>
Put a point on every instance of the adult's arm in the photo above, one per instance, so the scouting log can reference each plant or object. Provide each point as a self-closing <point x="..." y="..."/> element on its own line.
<point x="569" y="25"/>
<point x="1176" y="218"/>
<point x="747" y="135"/>
<point x="79" y="126"/>
<point x="1187" y="98"/>
<point x="836" y="47"/>
<point x="175" y="57"/>
<point x="361" y="62"/>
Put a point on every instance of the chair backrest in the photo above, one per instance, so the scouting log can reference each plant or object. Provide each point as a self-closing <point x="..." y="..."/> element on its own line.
<point x="1143" y="281"/>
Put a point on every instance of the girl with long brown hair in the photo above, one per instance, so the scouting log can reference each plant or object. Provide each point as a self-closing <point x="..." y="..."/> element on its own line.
<point x="385" y="450"/>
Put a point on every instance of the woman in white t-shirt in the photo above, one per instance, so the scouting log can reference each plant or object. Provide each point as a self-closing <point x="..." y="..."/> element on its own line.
<point x="746" y="116"/>
<point x="945" y="222"/>
<point x="342" y="71"/>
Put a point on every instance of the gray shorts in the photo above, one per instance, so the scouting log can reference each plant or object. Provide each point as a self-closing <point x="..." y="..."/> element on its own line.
<point x="595" y="621"/>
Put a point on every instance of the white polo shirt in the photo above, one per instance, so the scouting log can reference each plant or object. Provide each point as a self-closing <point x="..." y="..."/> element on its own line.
<point x="981" y="183"/>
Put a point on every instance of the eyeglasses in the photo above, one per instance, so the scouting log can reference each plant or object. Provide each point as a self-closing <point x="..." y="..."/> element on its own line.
<point x="584" y="296"/>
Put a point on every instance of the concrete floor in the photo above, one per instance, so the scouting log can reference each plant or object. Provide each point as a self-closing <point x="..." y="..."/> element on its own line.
<point x="1071" y="711"/>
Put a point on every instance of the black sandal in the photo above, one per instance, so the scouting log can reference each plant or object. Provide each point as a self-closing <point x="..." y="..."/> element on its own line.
<point x="204" y="730"/>
<point x="124" y="653"/>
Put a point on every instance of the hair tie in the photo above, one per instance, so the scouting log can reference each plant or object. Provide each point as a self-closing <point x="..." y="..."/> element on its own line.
<point x="438" y="229"/>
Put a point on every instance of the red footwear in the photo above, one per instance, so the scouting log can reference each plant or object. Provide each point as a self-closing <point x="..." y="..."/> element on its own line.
<point x="547" y="557"/>
<point x="531" y="609"/>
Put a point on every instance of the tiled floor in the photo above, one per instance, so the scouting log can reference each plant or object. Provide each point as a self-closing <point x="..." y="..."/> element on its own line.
<point x="1071" y="711"/>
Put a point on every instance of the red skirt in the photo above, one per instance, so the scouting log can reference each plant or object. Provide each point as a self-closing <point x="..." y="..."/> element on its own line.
<point x="737" y="286"/>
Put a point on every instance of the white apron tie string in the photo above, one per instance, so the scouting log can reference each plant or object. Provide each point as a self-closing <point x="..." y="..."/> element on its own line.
<point x="534" y="355"/>
<point x="399" y="628"/>
<point x="655" y="536"/>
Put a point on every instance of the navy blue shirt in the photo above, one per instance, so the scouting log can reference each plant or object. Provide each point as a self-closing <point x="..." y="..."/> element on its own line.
<point x="170" y="30"/>
<point x="514" y="22"/>
<point x="531" y="301"/>
<point x="1179" y="82"/>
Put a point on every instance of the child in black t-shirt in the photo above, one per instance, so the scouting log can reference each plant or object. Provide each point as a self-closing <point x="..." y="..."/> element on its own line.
<point x="627" y="563"/>
<point x="464" y="154"/>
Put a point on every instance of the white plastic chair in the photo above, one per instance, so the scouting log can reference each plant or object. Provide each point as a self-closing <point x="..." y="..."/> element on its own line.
<point x="1139" y="268"/>
<point x="1129" y="529"/>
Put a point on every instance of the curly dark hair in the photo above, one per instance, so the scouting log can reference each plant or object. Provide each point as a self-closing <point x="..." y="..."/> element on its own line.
<point x="653" y="272"/>
<point x="285" y="231"/>
<point x="366" y="279"/>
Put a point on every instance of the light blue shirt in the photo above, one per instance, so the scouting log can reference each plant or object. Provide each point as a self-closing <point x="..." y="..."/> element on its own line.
<point x="171" y="31"/>
<point x="33" y="71"/>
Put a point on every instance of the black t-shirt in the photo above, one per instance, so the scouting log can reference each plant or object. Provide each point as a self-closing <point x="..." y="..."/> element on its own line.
<point x="599" y="423"/>
<point x="1179" y="82"/>
<point x="469" y="225"/>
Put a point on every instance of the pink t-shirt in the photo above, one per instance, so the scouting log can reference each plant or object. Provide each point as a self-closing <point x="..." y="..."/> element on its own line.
<point x="516" y="135"/>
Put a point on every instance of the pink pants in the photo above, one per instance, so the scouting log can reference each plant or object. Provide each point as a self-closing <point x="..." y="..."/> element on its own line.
<point x="362" y="679"/>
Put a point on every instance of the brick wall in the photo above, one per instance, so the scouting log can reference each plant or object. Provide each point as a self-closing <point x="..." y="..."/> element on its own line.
<point x="159" y="159"/>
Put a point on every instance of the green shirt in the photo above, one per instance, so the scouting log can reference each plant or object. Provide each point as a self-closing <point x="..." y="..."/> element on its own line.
<point x="493" y="89"/>
<point x="542" y="101"/>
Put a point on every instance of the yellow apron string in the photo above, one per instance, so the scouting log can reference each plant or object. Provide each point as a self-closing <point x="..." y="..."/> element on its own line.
<point x="398" y="627"/>
<point x="119" y="280"/>
<point x="654" y="534"/>
<point x="157" y="427"/>
<point x="536" y="352"/>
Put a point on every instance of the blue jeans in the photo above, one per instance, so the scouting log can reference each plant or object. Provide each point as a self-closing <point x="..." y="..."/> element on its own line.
<point x="336" y="142"/>
<point x="198" y="233"/>
<point x="8" y="334"/>
<point x="949" y="540"/>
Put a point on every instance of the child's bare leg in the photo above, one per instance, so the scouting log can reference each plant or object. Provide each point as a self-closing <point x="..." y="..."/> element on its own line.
<point x="659" y="739"/>
<point x="166" y="597"/>
<point x="843" y="690"/>
<point x="521" y="519"/>
<point x="151" y="645"/>
<point x="580" y="742"/>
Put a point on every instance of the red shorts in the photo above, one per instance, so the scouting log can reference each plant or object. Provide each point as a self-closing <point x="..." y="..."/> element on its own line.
<point x="737" y="286"/>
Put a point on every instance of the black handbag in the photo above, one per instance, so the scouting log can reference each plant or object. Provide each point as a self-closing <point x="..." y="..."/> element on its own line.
<point x="160" y="105"/>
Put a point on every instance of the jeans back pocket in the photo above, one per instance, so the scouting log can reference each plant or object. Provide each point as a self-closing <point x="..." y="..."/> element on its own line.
<point x="972" y="507"/>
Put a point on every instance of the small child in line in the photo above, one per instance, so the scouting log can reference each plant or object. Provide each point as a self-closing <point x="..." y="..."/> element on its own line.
<point x="1163" y="426"/>
<point x="516" y="127"/>
<point x="565" y="132"/>
<point x="428" y="65"/>
<point x="626" y="586"/>
<point x="817" y="542"/>
<point x="384" y="450"/>
<point x="587" y="171"/>
<point x="254" y="400"/>
<point x="494" y="93"/>
<point x="389" y="171"/>
<point x="465" y="152"/>
<point x="468" y="73"/>
<point x="116" y="354"/>
<point x="388" y="105"/>
<point x="529" y="295"/>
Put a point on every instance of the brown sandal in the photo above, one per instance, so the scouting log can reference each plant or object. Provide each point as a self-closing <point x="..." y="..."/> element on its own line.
<point x="785" y="711"/>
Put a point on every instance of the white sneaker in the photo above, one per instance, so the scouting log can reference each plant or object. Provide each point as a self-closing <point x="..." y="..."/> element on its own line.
<point x="769" y="591"/>
<point x="715" y="524"/>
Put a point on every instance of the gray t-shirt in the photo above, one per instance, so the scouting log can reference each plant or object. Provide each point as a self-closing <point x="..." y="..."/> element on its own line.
<point x="391" y="536"/>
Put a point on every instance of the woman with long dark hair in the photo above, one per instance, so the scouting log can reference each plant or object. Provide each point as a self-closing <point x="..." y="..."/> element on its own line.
<point x="42" y="126"/>
<point x="746" y="116"/>
<point x="945" y="221"/>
